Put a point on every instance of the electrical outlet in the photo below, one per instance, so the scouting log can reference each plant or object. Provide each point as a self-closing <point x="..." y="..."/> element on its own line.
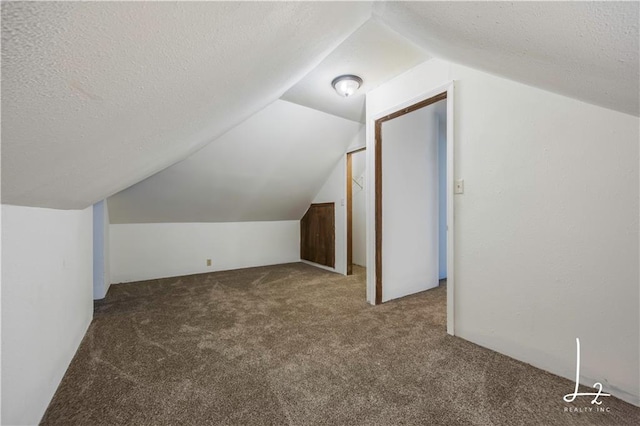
<point x="208" y="262"/>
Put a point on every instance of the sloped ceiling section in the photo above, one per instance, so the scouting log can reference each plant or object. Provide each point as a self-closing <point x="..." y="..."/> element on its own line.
<point x="585" y="50"/>
<point x="270" y="167"/>
<point x="97" y="96"/>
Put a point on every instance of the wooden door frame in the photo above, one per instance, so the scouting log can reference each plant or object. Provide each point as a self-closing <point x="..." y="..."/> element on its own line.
<point x="350" y="209"/>
<point x="374" y="279"/>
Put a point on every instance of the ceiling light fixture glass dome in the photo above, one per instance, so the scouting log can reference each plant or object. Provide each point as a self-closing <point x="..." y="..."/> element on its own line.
<point x="346" y="85"/>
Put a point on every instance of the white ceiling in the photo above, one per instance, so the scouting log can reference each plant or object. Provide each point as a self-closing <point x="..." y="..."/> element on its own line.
<point x="374" y="52"/>
<point x="97" y="96"/>
<point x="270" y="167"/>
<point x="585" y="50"/>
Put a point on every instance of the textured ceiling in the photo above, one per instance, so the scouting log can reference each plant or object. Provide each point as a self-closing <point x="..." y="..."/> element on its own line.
<point x="374" y="52"/>
<point x="270" y="167"/>
<point x="97" y="96"/>
<point x="585" y="50"/>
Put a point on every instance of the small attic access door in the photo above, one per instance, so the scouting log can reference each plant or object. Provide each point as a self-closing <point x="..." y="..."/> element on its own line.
<point x="318" y="234"/>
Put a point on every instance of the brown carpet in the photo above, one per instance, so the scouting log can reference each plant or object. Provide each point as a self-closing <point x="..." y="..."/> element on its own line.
<point x="293" y="344"/>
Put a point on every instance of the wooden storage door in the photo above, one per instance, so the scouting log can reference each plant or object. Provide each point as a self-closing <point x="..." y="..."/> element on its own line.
<point x="317" y="234"/>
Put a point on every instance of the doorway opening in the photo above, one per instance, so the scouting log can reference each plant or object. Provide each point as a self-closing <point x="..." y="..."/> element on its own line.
<point x="413" y="207"/>
<point x="356" y="210"/>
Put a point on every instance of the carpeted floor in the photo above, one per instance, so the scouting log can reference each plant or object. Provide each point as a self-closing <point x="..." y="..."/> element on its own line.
<point x="293" y="344"/>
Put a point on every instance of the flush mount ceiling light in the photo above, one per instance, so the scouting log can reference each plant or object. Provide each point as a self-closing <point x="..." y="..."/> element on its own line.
<point x="346" y="85"/>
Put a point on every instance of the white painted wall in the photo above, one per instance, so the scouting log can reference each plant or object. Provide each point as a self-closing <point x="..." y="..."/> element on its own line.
<point x="359" y="141"/>
<point x="358" y="209"/>
<point x="46" y="303"/>
<point x="410" y="214"/>
<point x="101" y="266"/>
<point x="442" y="193"/>
<point x="157" y="250"/>
<point x="334" y="191"/>
<point x="546" y="234"/>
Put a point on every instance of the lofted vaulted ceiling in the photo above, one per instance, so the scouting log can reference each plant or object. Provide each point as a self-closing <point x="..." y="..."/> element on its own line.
<point x="99" y="96"/>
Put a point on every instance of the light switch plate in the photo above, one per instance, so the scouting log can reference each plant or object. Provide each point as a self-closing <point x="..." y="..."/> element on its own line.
<point x="458" y="187"/>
